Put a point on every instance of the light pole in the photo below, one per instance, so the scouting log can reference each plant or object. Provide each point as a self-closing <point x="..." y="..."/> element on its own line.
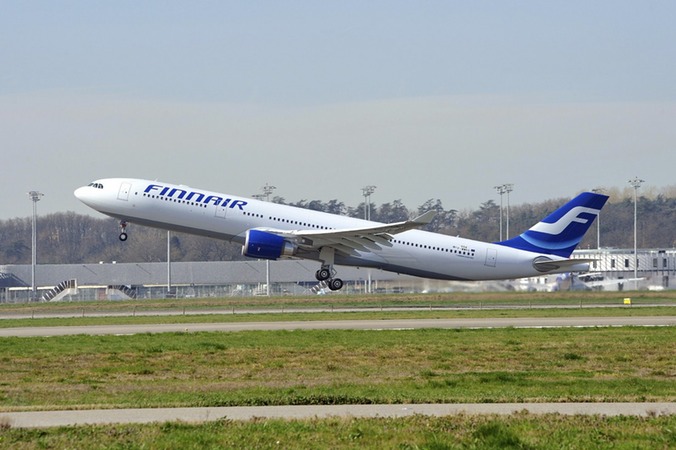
<point x="367" y="191"/>
<point x="267" y="190"/>
<point x="168" y="264"/>
<point x="598" y="220"/>
<point x="35" y="198"/>
<point x="501" y="191"/>
<point x="635" y="183"/>
<point x="504" y="189"/>
<point x="508" y="188"/>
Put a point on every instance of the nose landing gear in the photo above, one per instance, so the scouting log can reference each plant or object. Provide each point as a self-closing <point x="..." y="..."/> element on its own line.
<point x="123" y="228"/>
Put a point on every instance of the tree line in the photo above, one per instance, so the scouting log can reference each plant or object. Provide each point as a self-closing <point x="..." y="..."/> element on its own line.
<point x="70" y="238"/>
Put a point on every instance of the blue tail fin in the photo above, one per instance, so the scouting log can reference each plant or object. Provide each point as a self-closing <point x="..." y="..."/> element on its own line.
<point x="561" y="231"/>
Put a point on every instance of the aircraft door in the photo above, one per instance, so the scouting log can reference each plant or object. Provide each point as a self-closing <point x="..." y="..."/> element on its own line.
<point x="491" y="257"/>
<point x="220" y="211"/>
<point x="123" y="193"/>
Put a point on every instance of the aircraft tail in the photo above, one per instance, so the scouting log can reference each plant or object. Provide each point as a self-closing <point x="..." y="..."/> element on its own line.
<point x="561" y="231"/>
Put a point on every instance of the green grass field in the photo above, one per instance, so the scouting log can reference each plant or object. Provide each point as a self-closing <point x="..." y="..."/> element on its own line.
<point x="339" y="366"/>
<point x="519" y="431"/>
<point x="348" y="367"/>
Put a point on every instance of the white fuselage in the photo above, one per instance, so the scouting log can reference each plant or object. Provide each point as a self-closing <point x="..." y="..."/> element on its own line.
<point x="228" y="217"/>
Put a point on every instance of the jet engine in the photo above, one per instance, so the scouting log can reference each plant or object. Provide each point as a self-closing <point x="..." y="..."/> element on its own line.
<point x="264" y="245"/>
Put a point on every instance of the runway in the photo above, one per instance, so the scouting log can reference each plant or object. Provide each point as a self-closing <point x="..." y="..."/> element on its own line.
<point x="393" y="324"/>
<point x="41" y="419"/>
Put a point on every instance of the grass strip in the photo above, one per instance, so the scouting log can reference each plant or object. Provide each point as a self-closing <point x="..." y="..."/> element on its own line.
<point x="453" y="299"/>
<point x="339" y="367"/>
<point x="458" y="305"/>
<point x="518" y="431"/>
<point x="229" y="317"/>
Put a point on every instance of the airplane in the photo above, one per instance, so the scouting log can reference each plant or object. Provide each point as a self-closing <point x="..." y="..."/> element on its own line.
<point x="572" y="282"/>
<point x="272" y="231"/>
<point x="596" y="280"/>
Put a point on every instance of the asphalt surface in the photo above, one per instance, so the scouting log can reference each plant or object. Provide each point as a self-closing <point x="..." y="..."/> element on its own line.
<point x="41" y="419"/>
<point x="393" y="324"/>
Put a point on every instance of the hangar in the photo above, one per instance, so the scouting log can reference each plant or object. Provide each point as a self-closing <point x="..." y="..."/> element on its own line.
<point x="113" y="281"/>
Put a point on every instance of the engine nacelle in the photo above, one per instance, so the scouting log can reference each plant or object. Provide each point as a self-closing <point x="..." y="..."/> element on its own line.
<point x="264" y="245"/>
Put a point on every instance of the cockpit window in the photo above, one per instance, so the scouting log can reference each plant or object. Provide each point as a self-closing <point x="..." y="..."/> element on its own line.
<point x="96" y="185"/>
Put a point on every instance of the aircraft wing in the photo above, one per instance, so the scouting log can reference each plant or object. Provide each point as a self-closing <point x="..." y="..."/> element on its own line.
<point x="348" y="240"/>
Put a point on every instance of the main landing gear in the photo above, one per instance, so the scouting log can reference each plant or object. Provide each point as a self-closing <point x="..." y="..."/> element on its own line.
<point x="327" y="272"/>
<point x="123" y="233"/>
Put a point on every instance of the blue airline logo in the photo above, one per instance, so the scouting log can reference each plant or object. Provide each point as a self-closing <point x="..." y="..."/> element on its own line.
<point x="561" y="231"/>
<point x="569" y="217"/>
<point x="193" y="196"/>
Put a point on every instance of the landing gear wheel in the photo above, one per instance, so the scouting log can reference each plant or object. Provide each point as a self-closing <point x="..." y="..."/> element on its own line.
<point x="335" y="284"/>
<point x="123" y="227"/>
<point x="323" y="274"/>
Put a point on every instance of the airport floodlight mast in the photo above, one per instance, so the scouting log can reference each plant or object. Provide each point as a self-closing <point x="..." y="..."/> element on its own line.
<point x="35" y="197"/>
<point x="367" y="191"/>
<point x="504" y="189"/>
<point x="599" y="190"/>
<point x="169" y="289"/>
<point x="635" y="183"/>
<point x="501" y="191"/>
<point x="267" y="190"/>
<point x="508" y="188"/>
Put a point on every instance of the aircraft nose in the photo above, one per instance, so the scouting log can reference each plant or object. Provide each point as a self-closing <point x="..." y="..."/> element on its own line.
<point x="84" y="194"/>
<point x="79" y="192"/>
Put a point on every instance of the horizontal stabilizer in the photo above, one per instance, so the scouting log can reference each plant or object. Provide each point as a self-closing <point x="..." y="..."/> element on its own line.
<point x="544" y="264"/>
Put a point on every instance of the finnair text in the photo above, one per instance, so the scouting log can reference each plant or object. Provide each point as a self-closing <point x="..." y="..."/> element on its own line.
<point x="193" y="196"/>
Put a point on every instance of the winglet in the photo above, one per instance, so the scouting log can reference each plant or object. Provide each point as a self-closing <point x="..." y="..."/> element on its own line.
<point x="395" y="228"/>
<point x="424" y="219"/>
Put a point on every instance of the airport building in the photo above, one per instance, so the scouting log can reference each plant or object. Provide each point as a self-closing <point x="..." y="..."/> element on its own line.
<point x="613" y="269"/>
<point x="112" y="281"/>
<point x="655" y="267"/>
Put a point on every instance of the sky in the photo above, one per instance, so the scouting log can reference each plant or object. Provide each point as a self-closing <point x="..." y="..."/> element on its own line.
<point x="424" y="100"/>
